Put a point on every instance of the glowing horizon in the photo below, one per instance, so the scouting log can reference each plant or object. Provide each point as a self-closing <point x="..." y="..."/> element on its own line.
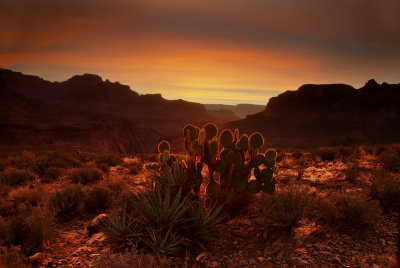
<point x="227" y="52"/>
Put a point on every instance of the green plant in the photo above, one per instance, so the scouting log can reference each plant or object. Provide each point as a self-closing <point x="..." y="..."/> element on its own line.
<point x="230" y="159"/>
<point x="68" y="201"/>
<point x="85" y="175"/>
<point x="13" y="176"/>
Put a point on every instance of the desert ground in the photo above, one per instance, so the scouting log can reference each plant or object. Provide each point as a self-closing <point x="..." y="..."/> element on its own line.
<point x="332" y="207"/>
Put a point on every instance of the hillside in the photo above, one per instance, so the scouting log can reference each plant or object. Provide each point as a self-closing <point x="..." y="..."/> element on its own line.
<point x="317" y="115"/>
<point x="239" y="110"/>
<point x="87" y="110"/>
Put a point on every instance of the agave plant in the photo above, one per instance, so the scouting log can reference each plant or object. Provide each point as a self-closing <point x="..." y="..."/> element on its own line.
<point x="204" y="222"/>
<point x="121" y="230"/>
<point x="176" y="177"/>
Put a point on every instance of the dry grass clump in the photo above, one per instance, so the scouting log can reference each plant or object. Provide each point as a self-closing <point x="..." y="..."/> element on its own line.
<point x="329" y="154"/>
<point x="390" y="159"/>
<point x="15" y="176"/>
<point x="386" y="189"/>
<point x="36" y="196"/>
<point x="349" y="213"/>
<point x="110" y="160"/>
<point x="352" y="172"/>
<point x="98" y="198"/>
<point x="12" y="257"/>
<point x="287" y="206"/>
<point x="29" y="228"/>
<point x="68" y="201"/>
<point x="134" y="167"/>
<point x="85" y="175"/>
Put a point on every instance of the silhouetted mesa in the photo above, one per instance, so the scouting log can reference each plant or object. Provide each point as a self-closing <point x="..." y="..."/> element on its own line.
<point x="317" y="115"/>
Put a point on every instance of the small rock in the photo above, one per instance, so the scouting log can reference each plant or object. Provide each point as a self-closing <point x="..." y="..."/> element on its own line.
<point x="75" y="259"/>
<point x="261" y="259"/>
<point x="300" y="250"/>
<point x="96" y="238"/>
<point x="95" y="225"/>
<point x="235" y="242"/>
<point x="37" y="259"/>
<point x="201" y="255"/>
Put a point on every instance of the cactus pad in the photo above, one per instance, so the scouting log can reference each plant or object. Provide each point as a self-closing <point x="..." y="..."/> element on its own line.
<point x="243" y="143"/>
<point x="163" y="146"/>
<point x="213" y="189"/>
<point x="211" y="130"/>
<point x="270" y="155"/>
<point x="256" y="140"/>
<point x="226" y="138"/>
<point x="213" y="148"/>
<point x="254" y="186"/>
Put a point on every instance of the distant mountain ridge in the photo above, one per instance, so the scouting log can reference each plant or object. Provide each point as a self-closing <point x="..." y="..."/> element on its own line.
<point x="317" y="115"/>
<point x="87" y="110"/>
<point x="240" y="110"/>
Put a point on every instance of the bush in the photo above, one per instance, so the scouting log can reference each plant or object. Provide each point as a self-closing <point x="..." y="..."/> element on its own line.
<point x="51" y="174"/>
<point x="59" y="160"/>
<point x="162" y="222"/>
<point x="390" y="159"/>
<point x="14" y="176"/>
<point x="329" y="154"/>
<point x="349" y="213"/>
<point x="109" y="159"/>
<point x="288" y="206"/>
<point x="352" y="172"/>
<point x="134" y="167"/>
<point x="85" y="175"/>
<point x="99" y="198"/>
<point x="12" y="257"/>
<point x="29" y="228"/>
<point x="68" y="201"/>
<point x="32" y="197"/>
<point x="386" y="189"/>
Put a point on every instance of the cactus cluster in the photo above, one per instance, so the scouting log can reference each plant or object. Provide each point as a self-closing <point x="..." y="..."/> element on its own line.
<point x="231" y="160"/>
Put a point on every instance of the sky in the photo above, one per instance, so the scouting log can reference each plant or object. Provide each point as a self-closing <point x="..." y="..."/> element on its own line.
<point x="208" y="51"/>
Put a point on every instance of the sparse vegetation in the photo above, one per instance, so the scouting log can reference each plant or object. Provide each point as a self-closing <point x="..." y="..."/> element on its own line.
<point x="386" y="189"/>
<point x="390" y="159"/>
<point x="98" y="198"/>
<point x="68" y="201"/>
<point x="15" y="176"/>
<point x="329" y="154"/>
<point x="85" y="175"/>
<point x="287" y="206"/>
<point x="349" y="213"/>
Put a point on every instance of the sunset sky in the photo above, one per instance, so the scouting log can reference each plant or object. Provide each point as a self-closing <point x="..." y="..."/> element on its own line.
<point x="208" y="51"/>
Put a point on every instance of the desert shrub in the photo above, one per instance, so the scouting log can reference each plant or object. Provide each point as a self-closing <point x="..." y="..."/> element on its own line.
<point x="352" y="172"/>
<point x="104" y="167"/>
<point x="329" y="154"/>
<point x="149" y="157"/>
<point x="51" y="174"/>
<point x="390" y="159"/>
<point x="161" y="222"/>
<point x="134" y="167"/>
<point x="29" y="228"/>
<point x="84" y="157"/>
<point x="109" y="159"/>
<point x="59" y="160"/>
<point x="386" y="189"/>
<point x="68" y="201"/>
<point x="288" y="206"/>
<point x="15" y="176"/>
<point x="346" y="151"/>
<point x="32" y="197"/>
<point x="85" y="175"/>
<point x="349" y="213"/>
<point x="12" y="257"/>
<point x="24" y="161"/>
<point x="98" y="198"/>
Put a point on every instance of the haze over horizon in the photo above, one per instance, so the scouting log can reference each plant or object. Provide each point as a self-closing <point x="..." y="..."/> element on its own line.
<point x="206" y="51"/>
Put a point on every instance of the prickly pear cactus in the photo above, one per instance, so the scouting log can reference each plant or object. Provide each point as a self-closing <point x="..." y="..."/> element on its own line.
<point x="231" y="160"/>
